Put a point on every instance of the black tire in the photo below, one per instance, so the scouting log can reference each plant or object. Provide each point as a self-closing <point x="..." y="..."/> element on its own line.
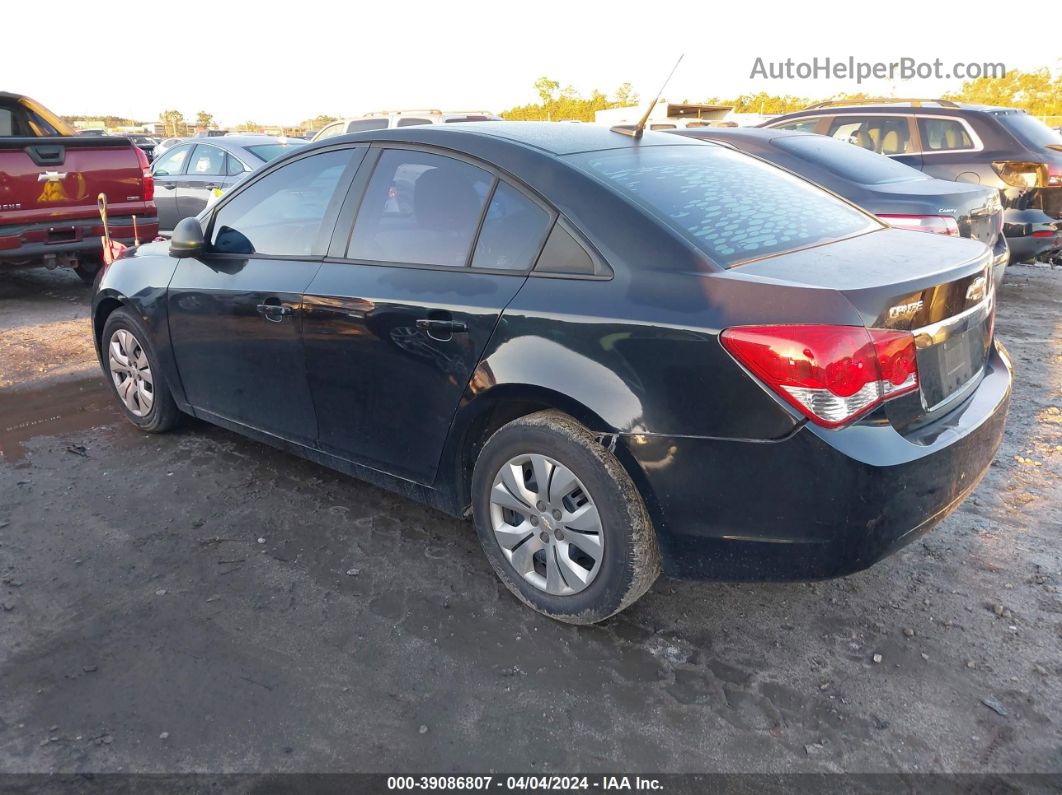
<point x="163" y="413"/>
<point x="630" y="561"/>
<point x="88" y="267"/>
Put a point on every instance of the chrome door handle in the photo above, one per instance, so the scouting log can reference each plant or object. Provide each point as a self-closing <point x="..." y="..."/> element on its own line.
<point x="275" y="313"/>
<point x="444" y="326"/>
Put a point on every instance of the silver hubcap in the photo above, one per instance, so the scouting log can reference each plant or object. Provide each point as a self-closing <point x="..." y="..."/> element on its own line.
<point x="130" y="371"/>
<point x="546" y="524"/>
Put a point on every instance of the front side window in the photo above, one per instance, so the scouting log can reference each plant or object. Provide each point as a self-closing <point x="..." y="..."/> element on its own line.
<point x="280" y="214"/>
<point x="207" y="161"/>
<point x="731" y="206"/>
<point x="800" y="125"/>
<point x="512" y="232"/>
<point x="886" y="135"/>
<point x="943" y="135"/>
<point x="7" y="123"/>
<point x="171" y="163"/>
<point x="419" y="208"/>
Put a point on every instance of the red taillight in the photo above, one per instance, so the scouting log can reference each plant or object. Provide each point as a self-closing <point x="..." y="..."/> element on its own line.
<point x="937" y="224"/>
<point x="147" y="180"/>
<point x="831" y="374"/>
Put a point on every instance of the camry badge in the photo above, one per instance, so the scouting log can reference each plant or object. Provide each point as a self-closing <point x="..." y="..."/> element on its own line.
<point x="976" y="290"/>
<point x="902" y="310"/>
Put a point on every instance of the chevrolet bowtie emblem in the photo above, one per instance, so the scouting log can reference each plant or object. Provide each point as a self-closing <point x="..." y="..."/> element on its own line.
<point x="51" y="176"/>
<point x="976" y="290"/>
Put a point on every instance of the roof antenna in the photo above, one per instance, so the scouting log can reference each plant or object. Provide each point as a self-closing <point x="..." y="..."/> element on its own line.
<point x="636" y="130"/>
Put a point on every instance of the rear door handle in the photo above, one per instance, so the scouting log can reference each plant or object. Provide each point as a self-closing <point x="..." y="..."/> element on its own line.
<point x="275" y="313"/>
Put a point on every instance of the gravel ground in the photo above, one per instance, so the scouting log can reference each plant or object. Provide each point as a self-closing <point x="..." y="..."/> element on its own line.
<point x="199" y="602"/>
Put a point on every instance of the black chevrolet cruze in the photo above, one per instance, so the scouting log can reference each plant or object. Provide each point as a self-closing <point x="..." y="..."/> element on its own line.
<point x="618" y="354"/>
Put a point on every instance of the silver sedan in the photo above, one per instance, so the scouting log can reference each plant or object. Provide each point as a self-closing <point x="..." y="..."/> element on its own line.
<point x="196" y="170"/>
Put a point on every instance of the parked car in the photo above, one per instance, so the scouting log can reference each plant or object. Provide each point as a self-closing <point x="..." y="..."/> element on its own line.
<point x="95" y="132"/>
<point x="388" y="119"/>
<point x="1002" y="147"/>
<point x="617" y="353"/>
<point x="50" y="178"/>
<point x="898" y="194"/>
<point x="167" y="143"/>
<point x="146" y="144"/>
<point x="194" y="172"/>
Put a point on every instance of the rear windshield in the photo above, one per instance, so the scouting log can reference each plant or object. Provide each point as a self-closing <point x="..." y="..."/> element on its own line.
<point x="853" y="163"/>
<point x="267" y="152"/>
<point x="1030" y="130"/>
<point x="731" y="206"/>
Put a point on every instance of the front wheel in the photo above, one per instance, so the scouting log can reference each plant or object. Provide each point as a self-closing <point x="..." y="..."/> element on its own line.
<point x="135" y="375"/>
<point x="560" y="520"/>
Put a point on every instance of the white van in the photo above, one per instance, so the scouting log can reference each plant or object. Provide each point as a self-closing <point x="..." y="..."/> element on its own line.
<point x="384" y="119"/>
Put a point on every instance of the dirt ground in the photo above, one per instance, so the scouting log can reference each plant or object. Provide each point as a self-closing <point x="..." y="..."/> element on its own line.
<point x="199" y="602"/>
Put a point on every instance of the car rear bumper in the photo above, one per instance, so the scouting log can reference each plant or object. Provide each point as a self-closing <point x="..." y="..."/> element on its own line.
<point x="1031" y="233"/>
<point x="68" y="237"/>
<point x="818" y="503"/>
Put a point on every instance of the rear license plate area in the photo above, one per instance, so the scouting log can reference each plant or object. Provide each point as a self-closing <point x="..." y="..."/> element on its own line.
<point x="948" y="366"/>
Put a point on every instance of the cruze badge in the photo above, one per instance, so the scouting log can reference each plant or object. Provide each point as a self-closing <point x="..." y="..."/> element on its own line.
<point x="976" y="290"/>
<point x="902" y="310"/>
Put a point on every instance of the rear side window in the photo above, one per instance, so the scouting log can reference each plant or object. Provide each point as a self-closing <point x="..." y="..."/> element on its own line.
<point x="563" y="254"/>
<point x="420" y="208"/>
<point x="731" y="206"/>
<point x="207" y="161"/>
<point x="361" y="125"/>
<point x="943" y="135"/>
<point x="234" y="166"/>
<point x="410" y="121"/>
<point x="281" y="213"/>
<point x="850" y="162"/>
<point x="886" y="135"/>
<point x="512" y="232"/>
<point x="1030" y="130"/>
<point x="7" y="123"/>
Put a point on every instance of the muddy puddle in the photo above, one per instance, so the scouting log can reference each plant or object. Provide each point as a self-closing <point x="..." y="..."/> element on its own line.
<point x="62" y="407"/>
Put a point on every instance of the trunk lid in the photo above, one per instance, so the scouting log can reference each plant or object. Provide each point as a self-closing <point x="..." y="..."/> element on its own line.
<point x="939" y="288"/>
<point x="976" y="208"/>
<point x="42" y="179"/>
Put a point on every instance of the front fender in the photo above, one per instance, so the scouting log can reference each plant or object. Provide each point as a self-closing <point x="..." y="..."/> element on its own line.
<point x="139" y="281"/>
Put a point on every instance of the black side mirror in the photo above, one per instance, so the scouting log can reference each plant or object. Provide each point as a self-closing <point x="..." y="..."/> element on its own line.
<point x="187" y="239"/>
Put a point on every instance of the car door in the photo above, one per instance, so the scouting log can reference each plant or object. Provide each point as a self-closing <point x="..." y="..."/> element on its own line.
<point x="205" y="173"/>
<point x="167" y="171"/>
<point x="234" y="312"/>
<point x="397" y="317"/>
<point x="949" y="146"/>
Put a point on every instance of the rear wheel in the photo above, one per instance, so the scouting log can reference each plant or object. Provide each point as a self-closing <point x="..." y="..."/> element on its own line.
<point x="561" y="521"/>
<point x="135" y="375"/>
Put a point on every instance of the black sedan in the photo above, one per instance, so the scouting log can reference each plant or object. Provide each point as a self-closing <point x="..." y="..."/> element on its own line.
<point x="617" y="354"/>
<point x="902" y="196"/>
<point x="193" y="173"/>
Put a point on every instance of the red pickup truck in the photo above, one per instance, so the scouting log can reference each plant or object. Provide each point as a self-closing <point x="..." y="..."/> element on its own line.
<point x="50" y="179"/>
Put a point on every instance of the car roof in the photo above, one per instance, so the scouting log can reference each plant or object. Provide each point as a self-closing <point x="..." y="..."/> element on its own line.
<point x="897" y="108"/>
<point x="551" y="137"/>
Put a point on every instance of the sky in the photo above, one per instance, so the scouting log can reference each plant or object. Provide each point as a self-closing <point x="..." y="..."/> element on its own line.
<point x="282" y="62"/>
